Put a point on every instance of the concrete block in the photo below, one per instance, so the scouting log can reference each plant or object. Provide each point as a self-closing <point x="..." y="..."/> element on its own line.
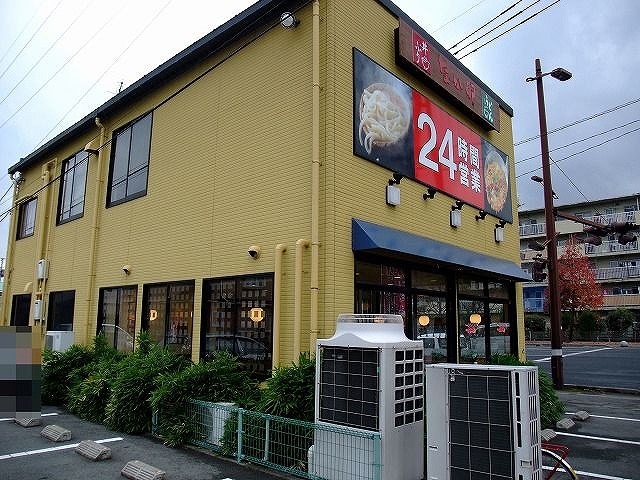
<point x="56" y="433"/>
<point x="93" y="451"/>
<point x="565" y="424"/>
<point x="137" y="470"/>
<point x="581" y="415"/>
<point x="547" y="434"/>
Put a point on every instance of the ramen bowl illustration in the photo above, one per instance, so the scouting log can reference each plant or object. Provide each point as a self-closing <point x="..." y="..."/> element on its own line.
<point x="496" y="181"/>
<point x="384" y="116"/>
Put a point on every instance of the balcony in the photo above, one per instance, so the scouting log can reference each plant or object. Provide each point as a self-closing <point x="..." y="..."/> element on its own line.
<point x="534" y="305"/>
<point x="532" y="229"/>
<point x="617" y="273"/>
<point x="613" y="217"/>
<point x="610" y="246"/>
<point x="621" y="301"/>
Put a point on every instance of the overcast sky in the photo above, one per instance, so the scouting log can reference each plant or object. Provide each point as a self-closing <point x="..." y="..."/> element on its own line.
<point x="60" y="59"/>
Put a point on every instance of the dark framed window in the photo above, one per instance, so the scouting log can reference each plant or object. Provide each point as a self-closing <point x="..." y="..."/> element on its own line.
<point x="73" y="183"/>
<point x="20" y="308"/>
<point x="61" y="305"/>
<point x="129" y="167"/>
<point x="168" y="314"/>
<point x="117" y="316"/>
<point x="27" y="218"/>
<point x="237" y="316"/>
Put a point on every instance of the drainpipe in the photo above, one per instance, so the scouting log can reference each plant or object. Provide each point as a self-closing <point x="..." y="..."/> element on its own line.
<point x="297" y="317"/>
<point x="315" y="176"/>
<point x="42" y="228"/>
<point x="8" y="267"/>
<point x="277" y="304"/>
<point x="95" y="227"/>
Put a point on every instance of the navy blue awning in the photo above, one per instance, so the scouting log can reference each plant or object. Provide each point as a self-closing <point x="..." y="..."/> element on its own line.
<point x="370" y="237"/>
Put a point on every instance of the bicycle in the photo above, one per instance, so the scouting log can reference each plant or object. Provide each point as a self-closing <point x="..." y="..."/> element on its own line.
<point x="554" y="463"/>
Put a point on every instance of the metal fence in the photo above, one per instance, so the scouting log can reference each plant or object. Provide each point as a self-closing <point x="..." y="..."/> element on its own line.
<point x="303" y="449"/>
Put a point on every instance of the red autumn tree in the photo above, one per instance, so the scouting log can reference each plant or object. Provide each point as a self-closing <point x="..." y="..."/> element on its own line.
<point x="577" y="284"/>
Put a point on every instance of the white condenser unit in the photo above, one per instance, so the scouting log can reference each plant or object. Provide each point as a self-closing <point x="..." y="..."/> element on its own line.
<point x="483" y="421"/>
<point x="59" y="341"/>
<point x="369" y="378"/>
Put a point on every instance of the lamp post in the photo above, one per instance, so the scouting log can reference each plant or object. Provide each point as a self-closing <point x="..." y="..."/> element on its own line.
<point x="552" y="249"/>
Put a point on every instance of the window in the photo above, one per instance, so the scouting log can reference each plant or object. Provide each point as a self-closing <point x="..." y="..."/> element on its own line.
<point x="130" y="161"/>
<point x="20" y="306"/>
<point x="73" y="181"/>
<point x="27" y="218"/>
<point x="61" y="310"/>
<point x="117" y="316"/>
<point x="168" y="315"/>
<point x="228" y="323"/>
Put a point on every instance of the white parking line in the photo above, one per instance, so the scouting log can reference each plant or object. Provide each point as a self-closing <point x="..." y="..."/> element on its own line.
<point x="599" y="475"/>
<point x="564" y="355"/>
<point x="12" y="418"/>
<point x="54" y="449"/>
<point x="604" y="439"/>
<point x="610" y="418"/>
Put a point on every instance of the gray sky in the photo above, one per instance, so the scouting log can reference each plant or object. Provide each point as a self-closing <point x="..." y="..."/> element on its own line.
<point x="75" y="53"/>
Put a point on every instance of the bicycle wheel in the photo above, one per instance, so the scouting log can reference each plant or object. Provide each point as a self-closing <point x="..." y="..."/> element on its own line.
<point x="554" y="467"/>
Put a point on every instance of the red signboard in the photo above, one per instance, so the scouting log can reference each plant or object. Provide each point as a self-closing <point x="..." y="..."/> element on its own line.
<point x="402" y="130"/>
<point x="431" y="61"/>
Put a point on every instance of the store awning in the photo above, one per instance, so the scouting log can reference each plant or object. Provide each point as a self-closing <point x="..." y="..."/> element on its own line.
<point x="370" y="237"/>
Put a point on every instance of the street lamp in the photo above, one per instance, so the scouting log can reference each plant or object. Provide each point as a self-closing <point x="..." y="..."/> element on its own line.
<point x="552" y="248"/>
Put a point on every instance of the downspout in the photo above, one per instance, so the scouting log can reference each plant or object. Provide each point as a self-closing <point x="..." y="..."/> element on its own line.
<point x="277" y="303"/>
<point x="8" y="267"/>
<point x="39" y="284"/>
<point x="301" y="244"/>
<point x="95" y="227"/>
<point x="315" y="176"/>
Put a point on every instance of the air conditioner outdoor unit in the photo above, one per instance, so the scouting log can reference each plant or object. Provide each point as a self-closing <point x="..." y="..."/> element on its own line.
<point x="59" y="341"/>
<point x="369" y="381"/>
<point x="482" y="421"/>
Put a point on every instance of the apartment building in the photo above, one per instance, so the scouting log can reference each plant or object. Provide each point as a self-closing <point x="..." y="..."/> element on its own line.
<point x="617" y="265"/>
<point x="305" y="159"/>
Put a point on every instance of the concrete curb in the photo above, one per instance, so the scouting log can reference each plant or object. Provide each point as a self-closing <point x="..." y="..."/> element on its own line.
<point x="623" y="391"/>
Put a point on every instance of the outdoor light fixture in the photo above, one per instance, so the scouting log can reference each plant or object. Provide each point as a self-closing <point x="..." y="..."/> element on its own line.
<point x="538" y="179"/>
<point x="481" y="215"/>
<point x="501" y="224"/>
<point x="475" y="318"/>
<point x="455" y="217"/>
<point x="396" y="179"/>
<point x="393" y="195"/>
<point x="289" y="20"/>
<point x="593" y="240"/>
<point x="561" y="74"/>
<point x="424" y="320"/>
<point x="458" y="206"/>
<point x="537" y="246"/>
<point x="498" y="234"/>
<point x="431" y="192"/>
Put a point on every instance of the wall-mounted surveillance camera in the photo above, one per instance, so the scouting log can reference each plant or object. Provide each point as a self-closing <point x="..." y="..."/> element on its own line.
<point x="254" y="251"/>
<point x="126" y="269"/>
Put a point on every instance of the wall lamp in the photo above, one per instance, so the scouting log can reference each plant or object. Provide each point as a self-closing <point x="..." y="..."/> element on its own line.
<point x="501" y="224"/>
<point x="431" y="192"/>
<point x="289" y="20"/>
<point x="396" y="179"/>
<point x="481" y="215"/>
<point x="458" y="206"/>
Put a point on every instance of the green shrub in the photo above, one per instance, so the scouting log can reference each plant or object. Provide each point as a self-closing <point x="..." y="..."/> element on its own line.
<point x="221" y="379"/>
<point x="290" y="392"/>
<point x="551" y="408"/>
<point x="62" y="371"/>
<point x="128" y="409"/>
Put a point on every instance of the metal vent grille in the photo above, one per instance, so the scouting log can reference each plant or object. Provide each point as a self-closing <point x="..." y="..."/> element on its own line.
<point x="480" y="427"/>
<point x="534" y="424"/>
<point x="408" y="387"/>
<point x="349" y="386"/>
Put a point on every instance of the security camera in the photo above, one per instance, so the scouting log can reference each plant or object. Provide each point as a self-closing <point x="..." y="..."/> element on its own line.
<point x="254" y="251"/>
<point x="126" y="269"/>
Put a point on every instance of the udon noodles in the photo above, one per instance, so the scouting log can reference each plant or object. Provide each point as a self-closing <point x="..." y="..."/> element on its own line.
<point x="384" y="116"/>
<point x="496" y="186"/>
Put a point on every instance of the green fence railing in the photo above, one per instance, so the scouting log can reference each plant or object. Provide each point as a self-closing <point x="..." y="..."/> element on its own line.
<point x="308" y="450"/>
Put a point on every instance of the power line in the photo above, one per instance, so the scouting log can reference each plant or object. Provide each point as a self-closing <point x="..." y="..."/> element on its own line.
<point x="89" y="39"/>
<point x="33" y="15"/>
<point x="591" y="117"/>
<point x="487" y="23"/>
<point x="507" y="31"/>
<point x="582" y="151"/>
<point x="581" y="140"/>
<point x="106" y="70"/>
<point x="493" y="29"/>
<point x="569" y="178"/>
<point x="457" y="17"/>
<point x="30" y="38"/>
<point x="46" y="52"/>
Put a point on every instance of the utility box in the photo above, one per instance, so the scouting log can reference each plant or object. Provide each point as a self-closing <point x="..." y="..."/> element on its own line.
<point x="369" y="377"/>
<point x="59" y="341"/>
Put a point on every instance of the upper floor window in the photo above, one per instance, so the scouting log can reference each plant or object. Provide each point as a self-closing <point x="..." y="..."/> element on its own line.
<point x="27" y="218"/>
<point x="73" y="181"/>
<point x="129" y="167"/>
<point x="61" y="305"/>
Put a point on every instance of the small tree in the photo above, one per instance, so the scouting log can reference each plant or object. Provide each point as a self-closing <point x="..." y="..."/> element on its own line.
<point x="577" y="284"/>
<point x="588" y="323"/>
<point x="619" y="320"/>
<point x="535" y="323"/>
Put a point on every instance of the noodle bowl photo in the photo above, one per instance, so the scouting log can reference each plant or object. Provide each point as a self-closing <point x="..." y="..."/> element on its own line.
<point x="496" y="183"/>
<point x="384" y="116"/>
